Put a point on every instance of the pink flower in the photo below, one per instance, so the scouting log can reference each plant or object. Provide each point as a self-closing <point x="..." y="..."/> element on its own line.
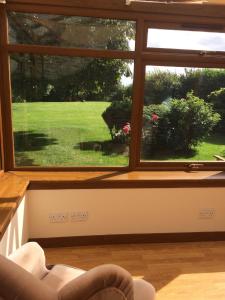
<point x="126" y="128"/>
<point x="155" y="117"/>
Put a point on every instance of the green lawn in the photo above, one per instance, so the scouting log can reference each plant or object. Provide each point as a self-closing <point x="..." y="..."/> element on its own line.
<point x="74" y="134"/>
<point x="62" y="134"/>
<point x="205" y="151"/>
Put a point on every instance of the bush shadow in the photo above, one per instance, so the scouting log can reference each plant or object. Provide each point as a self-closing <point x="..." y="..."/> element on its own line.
<point x="23" y="160"/>
<point x="106" y="147"/>
<point x="31" y="141"/>
<point x="216" y="139"/>
<point x="168" y="155"/>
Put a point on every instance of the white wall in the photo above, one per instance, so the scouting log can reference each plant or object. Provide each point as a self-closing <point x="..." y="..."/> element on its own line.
<point x="124" y="211"/>
<point x="17" y="232"/>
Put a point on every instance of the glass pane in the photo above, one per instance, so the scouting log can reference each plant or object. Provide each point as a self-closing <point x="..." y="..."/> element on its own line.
<point x="71" y="31"/>
<point x="71" y="111"/>
<point x="184" y="39"/>
<point x="184" y="114"/>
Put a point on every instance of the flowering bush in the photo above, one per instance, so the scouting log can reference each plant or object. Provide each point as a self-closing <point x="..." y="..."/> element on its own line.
<point x="154" y="120"/>
<point x="178" y="125"/>
<point x="154" y="130"/>
<point x="122" y="135"/>
<point x="117" y="115"/>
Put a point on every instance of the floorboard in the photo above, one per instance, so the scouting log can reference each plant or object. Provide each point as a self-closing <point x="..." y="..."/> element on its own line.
<point x="181" y="271"/>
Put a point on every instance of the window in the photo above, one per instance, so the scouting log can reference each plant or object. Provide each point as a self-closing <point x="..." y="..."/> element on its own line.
<point x="112" y="88"/>
<point x="184" y="114"/>
<point x="61" y="112"/>
<point x="71" y="111"/>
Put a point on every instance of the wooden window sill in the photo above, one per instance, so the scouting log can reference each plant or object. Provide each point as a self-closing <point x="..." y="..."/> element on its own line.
<point x="116" y="179"/>
<point x="12" y="190"/>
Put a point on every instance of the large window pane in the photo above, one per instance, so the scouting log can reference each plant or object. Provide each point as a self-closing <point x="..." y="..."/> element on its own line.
<point x="71" y="111"/>
<point x="184" y="114"/>
<point x="184" y="39"/>
<point x="71" y="31"/>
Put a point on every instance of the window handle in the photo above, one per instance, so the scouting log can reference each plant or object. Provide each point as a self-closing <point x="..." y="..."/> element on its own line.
<point x="195" y="166"/>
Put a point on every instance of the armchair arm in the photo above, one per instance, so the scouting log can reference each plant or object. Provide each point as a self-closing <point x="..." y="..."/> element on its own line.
<point x="17" y="283"/>
<point x="105" y="277"/>
<point x="30" y="257"/>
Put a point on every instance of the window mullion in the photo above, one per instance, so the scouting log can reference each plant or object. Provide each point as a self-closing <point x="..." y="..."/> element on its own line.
<point x="138" y="91"/>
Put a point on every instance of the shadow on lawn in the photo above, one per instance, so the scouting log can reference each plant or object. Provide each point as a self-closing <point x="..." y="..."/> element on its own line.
<point x="216" y="139"/>
<point x="23" y="160"/>
<point x="168" y="155"/>
<point x="30" y="141"/>
<point x="106" y="147"/>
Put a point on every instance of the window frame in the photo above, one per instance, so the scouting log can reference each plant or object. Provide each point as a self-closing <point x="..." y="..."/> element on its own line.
<point x="141" y="56"/>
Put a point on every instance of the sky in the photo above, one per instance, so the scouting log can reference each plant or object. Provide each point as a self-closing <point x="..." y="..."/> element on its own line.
<point x="184" y="39"/>
<point x="181" y="39"/>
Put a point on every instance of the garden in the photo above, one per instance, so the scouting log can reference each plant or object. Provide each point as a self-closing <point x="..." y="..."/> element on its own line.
<point x="87" y="133"/>
<point x="76" y="111"/>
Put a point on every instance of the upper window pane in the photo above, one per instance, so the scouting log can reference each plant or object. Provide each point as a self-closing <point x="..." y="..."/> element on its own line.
<point x="71" y="31"/>
<point x="184" y="39"/>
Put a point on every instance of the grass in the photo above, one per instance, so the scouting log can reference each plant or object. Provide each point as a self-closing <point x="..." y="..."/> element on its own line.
<point x="74" y="134"/>
<point x="62" y="134"/>
<point x="205" y="151"/>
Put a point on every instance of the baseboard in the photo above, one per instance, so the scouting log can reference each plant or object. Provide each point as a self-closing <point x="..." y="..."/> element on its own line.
<point x="130" y="239"/>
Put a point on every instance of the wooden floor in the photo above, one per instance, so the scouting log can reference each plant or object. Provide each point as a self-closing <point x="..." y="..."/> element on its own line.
<point x="180" y="271"/>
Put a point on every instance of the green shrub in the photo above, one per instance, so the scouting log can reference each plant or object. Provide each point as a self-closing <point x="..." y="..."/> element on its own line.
<point x="217" y="98"/>
<point x="179" y="126"/>
<point x="154" y="129"/>
<point x="176" y="125"/>
<point x="117" y="115"/>
<point x="191" y="120"/>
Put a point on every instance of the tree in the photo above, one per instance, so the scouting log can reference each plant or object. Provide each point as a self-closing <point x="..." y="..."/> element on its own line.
<point x="81" y="79"/>
<point x="160" y="86"/>
<point x="201" y="81"/>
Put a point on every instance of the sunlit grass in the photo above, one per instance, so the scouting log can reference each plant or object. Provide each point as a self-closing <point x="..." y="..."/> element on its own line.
<point x="50" y="133"/>
<point x="72" y="134"/>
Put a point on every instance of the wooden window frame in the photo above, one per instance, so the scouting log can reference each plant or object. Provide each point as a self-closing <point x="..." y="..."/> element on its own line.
<point x="142" y="56"/>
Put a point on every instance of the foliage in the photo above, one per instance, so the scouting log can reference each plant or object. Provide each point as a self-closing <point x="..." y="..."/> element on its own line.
<point x="154" y="128"/>
<point x="19" y="99"/>
<point x="217" y="98"/>
<point x="122" y="93"/>
<point x="96" y="80"/>
<point x="160" y="86"/>
<point x="191" y="120"/>
<point x="122" y="136"/>
<point x="201" y="81"/>
<point x="181" y="125"/>
<point x="71" y="79"/>
<point x="163" y="85"/>
<point x="117" y="115"/>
